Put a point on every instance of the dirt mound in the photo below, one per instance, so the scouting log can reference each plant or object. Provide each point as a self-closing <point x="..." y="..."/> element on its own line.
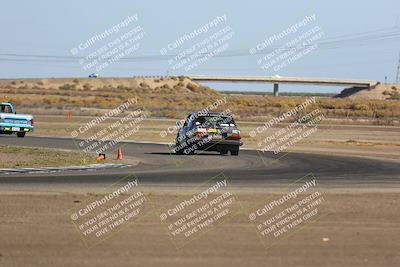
<point x="163" y="84"/>
<point x="378" y="92"/>
<point x="163" y="96"/>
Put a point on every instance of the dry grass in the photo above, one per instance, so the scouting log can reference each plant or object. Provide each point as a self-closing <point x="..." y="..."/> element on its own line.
<point x="18" y="157"/>
<point x="174" y="98"/>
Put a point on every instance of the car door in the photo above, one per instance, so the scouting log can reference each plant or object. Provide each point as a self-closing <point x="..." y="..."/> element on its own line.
<point x="182" y="134"/>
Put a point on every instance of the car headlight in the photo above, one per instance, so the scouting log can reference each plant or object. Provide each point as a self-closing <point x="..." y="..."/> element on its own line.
<point x="235" y="131"/>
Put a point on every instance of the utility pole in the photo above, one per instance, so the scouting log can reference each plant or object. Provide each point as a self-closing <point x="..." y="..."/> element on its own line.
<point x="398" y="72"/>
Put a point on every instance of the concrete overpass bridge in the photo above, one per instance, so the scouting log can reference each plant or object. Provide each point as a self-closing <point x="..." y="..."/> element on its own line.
<point x="276" y="80"/>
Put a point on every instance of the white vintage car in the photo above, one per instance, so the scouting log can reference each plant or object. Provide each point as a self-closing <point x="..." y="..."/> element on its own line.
<point x="11" y="122"/>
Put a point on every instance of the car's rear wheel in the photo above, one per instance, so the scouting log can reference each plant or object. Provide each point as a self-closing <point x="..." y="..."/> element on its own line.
<point x="235" y="151"/>
<point x="21" y="134"/>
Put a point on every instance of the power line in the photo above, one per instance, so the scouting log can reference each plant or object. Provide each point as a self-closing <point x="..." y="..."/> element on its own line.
<point x="398" y="71"/>
<point x="338" y="41"/>
<point x="349" y="40"/>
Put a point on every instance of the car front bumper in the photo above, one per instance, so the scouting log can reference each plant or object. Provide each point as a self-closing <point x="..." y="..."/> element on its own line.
<point x="13" y="129"/>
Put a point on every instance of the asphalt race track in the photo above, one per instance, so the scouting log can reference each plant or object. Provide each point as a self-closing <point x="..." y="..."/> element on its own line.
<point x="357" y="224"/>
<point x="157" y="166"/>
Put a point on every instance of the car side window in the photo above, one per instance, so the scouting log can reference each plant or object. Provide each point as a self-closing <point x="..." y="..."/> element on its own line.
<point x="189" y="121"/>
<point x="192" y="121"/>
<point x="186" y="122"/>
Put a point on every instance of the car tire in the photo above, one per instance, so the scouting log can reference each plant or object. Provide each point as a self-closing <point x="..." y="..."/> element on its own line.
<point x="183" y="150"/>
<point x="21" y="134"/>
<point x="188" y="151"/>
<point x="235" y="151"/>
<point x="223" y="151"/>
<point x="180" y="151"/>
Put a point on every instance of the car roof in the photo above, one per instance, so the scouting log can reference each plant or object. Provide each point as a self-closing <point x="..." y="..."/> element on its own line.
<point x="212" y="114"/>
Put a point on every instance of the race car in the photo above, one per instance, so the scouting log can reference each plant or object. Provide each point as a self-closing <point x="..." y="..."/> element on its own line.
<point x="210" y="131"/>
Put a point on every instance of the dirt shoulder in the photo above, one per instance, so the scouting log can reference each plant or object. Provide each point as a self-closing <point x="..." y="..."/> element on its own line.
<point x="360" y="229"/>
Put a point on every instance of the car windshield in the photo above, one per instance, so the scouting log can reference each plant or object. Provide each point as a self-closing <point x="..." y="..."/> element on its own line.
<point x="214" y="121"/>
<point x="5" y="109"/>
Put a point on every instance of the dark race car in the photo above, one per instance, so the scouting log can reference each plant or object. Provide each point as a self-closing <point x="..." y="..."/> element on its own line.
<point x="209" y="132"/>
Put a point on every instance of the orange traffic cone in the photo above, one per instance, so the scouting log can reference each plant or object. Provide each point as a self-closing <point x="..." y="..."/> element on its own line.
<point x="101" y="157"/>
<point x="119" y="154"/>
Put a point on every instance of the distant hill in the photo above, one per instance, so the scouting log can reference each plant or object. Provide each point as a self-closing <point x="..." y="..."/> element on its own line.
<point x="378" y="92"/>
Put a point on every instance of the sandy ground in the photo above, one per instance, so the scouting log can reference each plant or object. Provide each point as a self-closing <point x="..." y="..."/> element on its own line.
<point x="356" y="229"/>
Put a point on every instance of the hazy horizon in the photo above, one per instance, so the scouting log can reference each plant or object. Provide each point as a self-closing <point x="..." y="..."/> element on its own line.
<point x="359" y="41"/>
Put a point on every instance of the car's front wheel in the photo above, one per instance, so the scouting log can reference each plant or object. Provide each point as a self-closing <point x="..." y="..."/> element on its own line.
<point x="223" y="151"/>
<point x="181" y="149"/>
<point x="178" y="149"/>
<point x="21" y="134"/>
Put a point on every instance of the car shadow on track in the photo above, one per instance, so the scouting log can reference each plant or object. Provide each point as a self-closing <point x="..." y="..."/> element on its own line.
<point x="182" y="155"/>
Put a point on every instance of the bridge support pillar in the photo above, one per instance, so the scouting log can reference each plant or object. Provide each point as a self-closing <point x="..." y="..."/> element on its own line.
<point x="276" y="89"/>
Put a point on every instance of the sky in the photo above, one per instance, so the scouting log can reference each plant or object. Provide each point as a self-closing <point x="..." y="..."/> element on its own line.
<point x="357" y="39"/>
